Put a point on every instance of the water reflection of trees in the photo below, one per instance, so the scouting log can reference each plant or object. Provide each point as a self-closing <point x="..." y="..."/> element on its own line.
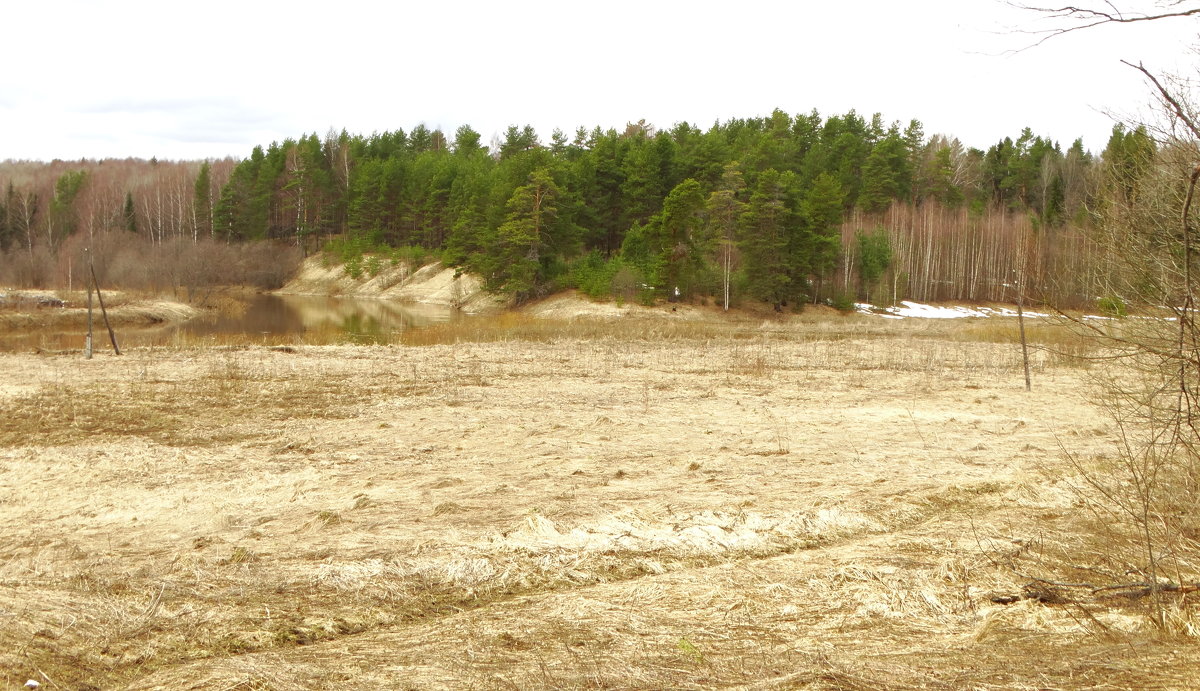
<point x="314" y="319"/>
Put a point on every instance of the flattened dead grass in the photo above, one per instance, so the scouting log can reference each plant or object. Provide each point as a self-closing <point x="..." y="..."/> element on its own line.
<point x="779" y="507"/>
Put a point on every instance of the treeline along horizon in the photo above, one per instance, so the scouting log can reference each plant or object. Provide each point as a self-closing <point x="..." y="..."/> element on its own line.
<point x="785" y="209"/>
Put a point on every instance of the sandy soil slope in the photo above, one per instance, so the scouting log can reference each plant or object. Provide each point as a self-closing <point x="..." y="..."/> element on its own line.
<point x="805" y="507"/>
<point x="432" y="284"/>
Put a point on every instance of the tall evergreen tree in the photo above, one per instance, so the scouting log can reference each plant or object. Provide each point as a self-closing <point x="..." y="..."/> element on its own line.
<point x="129" y="214"/>
<point x="766" y="227"/>
<point x="515" y="257"/>
<point x="1127" y="157"/>
<point x="934" y="174"/>
<point x="468" y="205"/>
<point x="517" y="140"/>
<point x="467" y="142"/>
<point x="606" y="154"/>
<point x="723" y="211"/>
<point x="201" y="205"/>
<point x="241" y="211"/>
<point x="679" y="239"/>
<point x="885" y="174"/>
<point x="821" y="216"/>
<point x="643" y="187"/>
<point x="874" y="258"/>
<point x="64" y="216"/>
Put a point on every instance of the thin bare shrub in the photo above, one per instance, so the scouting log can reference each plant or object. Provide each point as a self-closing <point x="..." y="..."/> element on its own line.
<point x="1145" y="497"/>
<point x="26" y="267"/>
<point x="189" y="269"/>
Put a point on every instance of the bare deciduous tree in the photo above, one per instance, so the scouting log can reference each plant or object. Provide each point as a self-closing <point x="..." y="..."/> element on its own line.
<point x="1147" y="495"/>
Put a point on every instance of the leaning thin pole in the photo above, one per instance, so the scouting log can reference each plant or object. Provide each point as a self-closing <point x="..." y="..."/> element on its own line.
<point x="87" y="351"/>
<point x="111" y="336"/>
<point x="1021" y="308"/>
<point x="1024" y="343"/>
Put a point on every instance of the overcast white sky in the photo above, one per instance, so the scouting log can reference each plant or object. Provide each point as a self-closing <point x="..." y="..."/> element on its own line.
<point x="118" y="78"/>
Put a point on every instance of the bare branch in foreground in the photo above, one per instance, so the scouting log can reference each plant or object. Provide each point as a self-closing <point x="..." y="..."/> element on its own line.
<point x="1082" y="18"/>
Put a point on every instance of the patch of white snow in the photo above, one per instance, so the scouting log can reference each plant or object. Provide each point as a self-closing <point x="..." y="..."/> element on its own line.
<point x="908" y="308"/>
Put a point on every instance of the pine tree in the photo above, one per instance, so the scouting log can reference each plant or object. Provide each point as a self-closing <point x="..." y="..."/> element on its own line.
<point x="821" y="216"/>
<point x="765" y="226"/>
<point x="606" y="154"/>
<point x="240" y="212"/>
<point x="516" y="256"/>
<point x="201" y="206"/>
<point x="467" y="142"/>
<point x="678" y="238"/>
<point x="517" y="141"/>
<point x="934" y="177"/>
<point x="874" y="258"/>
<point x="468" y="203"/>
<point x="723" y="212"/>
<point x="642" y="189"/>
<point x="64" y="217"/>
<point x="129" y="214"/>
<point x="1127" y="158"/>
<point x="886" y="174"/>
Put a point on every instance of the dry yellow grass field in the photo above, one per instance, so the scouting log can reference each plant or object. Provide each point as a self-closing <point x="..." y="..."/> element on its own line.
<point x="824" y="503"/>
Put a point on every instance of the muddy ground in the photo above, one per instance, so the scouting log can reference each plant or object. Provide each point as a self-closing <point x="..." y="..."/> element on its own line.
<point x="823" y="503"/>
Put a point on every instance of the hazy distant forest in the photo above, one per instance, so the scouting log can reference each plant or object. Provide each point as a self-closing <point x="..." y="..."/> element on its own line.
<point x="782" y="209"/>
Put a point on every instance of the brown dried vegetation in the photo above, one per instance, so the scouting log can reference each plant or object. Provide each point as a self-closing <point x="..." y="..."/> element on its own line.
<point x="812" y="503"/>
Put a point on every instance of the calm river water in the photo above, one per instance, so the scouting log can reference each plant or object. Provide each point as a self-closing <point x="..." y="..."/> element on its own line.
<point x="266" y="319"/>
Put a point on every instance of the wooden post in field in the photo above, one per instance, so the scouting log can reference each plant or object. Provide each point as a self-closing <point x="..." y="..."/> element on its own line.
<point x="112" y="337"/>
<point x="1024" y="343"/>
<point x="87" y="349"/>
<point x="1020" y="284"/>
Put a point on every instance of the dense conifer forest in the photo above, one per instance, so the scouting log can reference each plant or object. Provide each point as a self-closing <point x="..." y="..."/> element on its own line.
<point x="782" y="209"/>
